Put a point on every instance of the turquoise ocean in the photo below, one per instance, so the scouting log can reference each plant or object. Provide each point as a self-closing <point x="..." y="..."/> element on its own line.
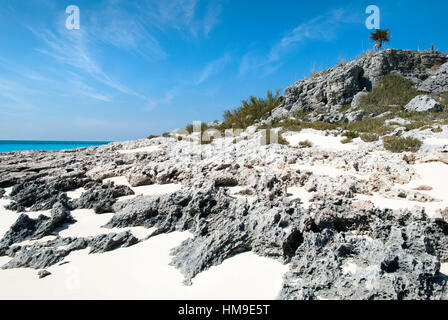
<point x="18" y="145"/>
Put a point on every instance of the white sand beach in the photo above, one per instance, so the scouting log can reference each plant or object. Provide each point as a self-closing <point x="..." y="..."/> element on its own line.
<point x="433" y="175"/>
<point x="319" y="140"/>
<point x="138" y="272"/>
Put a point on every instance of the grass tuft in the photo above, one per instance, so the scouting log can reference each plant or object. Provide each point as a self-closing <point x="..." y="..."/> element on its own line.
<point x="400" y="144"/>
<point x="370" y="137"/>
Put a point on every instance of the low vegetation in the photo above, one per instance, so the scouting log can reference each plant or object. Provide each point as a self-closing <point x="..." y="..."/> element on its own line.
<point x="190" y="128"/>
<point x="384" y="102"/>
<point x="369" y="137"/>
<point x="346" y="140"/>
<point x="305" y="144"/>
<point x="400" y="144"/>
<point x="394" y="92"/>
<point x="444" y="99"/>
<point x="251" y="111"/>
<point x="350" y="134"/>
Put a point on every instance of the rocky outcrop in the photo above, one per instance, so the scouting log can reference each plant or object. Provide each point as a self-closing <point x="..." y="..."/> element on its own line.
<point x="108" y="242"/>
<point x="42" y="194"/>
<point x="396" y="254"/>
<point x="340" y="85"/>
<point x="2" y="192"/>
<point x="436" y="82"/>
<point x="41" y="255"/>
<point x="26" y="228"/>
<point x="423" y="103"/>
<point x="102" y="197"/>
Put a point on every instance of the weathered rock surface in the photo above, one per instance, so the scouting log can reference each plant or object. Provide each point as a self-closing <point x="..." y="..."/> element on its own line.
<point x="26" y="228"/>
<point x="437" y="82"/>
<point x="45" y="254"/>
<point x="401" y="260"/>
<point x="423" y="103"/>
<point x="101" y="198"/>
<point x="108" y="242"/>
<point x="42" y="194"/>
<point x="43" y="273"/>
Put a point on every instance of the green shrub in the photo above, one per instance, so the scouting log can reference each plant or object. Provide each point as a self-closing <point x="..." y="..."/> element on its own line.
<point x="369" y="137"/>
<point x="346" y="140"/>
<point x="166" y="135"/>
<point x="400" y="144"/>
<point x="394" y="90"/>
<point x="253" y="109"/>
<point x="190" y="127"/>
<point x="305" y="144"/>
<point x="444" y="99"/>
<point x="369" y="125"/>
<point x="350" y="134"/>
<point x="319" y="125"/>
<point x="415" y="125"/>
<point x="152" y="137"/>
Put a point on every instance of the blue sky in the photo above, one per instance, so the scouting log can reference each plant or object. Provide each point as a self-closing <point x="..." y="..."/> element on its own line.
<point x="144" y="67"/>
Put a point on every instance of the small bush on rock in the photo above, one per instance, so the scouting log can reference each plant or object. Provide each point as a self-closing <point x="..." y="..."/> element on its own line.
<point x="400" y="144"/>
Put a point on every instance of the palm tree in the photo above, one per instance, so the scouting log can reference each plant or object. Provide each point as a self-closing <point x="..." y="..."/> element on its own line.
<point x="380" y="36"/>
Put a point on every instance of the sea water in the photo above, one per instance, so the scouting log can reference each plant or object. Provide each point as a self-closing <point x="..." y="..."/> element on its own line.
<point x="16" y="145"/>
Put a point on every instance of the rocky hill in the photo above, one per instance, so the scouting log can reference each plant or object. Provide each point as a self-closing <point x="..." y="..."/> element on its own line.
<point x="342" y="85"/>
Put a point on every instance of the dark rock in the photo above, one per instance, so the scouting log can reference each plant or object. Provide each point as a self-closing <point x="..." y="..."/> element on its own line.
<point x="43" y="273"/>
<point x="26" y="228"/>
<point x="42" y="194"/>
<point x="102" y="198"/>
<point x="44" y="254"/>
<point x="36" y="257"/>
<point x="108" y="242"/>
<point x="437" y="82"/>
<point x="402" y="260"/>
<point x="2" y="192"/>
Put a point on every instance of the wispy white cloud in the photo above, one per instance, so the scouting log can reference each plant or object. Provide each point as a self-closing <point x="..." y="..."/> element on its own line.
<point x="196" y="17"/>
<point x="213" y="68"/>
<point x="72" y="49"/>
<point x="167" y="98"/>
<point x="125" y="30"/>
<point x="323" y="28"/>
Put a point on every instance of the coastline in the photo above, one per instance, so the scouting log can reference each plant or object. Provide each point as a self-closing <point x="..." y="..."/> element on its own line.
<point x="43" y="145"/>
